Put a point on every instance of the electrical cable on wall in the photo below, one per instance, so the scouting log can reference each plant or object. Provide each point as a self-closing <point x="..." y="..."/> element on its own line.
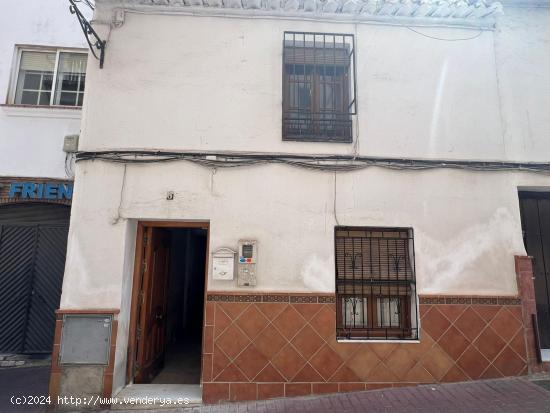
<point x="69" y="165"/>
<point x="459" y="39"/>
<point x="118" y="215"/>
<point x="327" y="163"/>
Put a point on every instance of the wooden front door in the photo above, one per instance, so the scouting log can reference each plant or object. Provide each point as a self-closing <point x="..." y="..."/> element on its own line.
<point x="151" y="323"/>
<point x="535" y="215"/>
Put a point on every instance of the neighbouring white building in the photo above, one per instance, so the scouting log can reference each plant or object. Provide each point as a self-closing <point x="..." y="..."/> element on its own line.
<point x="42" y="73"/>
<point x="278" y="198"/>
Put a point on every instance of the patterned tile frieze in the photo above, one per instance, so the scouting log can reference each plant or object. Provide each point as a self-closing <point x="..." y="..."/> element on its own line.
<point x="269" y="298"/>
<point x="449" y="299"/>
<point x="284" y="344"/>
<point x="310" y="298"/>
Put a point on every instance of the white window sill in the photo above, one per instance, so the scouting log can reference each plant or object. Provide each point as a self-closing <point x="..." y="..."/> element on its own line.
<point x="343" y="341"/>
<point x="60" y="112"/>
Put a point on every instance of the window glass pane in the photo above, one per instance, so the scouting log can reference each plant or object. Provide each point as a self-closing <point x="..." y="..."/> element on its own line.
<point x="44" y="98"/>
<point x="388" y="312"/>
<point x="70" y="78"/>
<point x="35" y="76"/>
<point x="32" y="81"/>
<point x="69" y="82"/>
<point x="80" y="99"/>
<point x="47" y="82"/>
<point x="82" y="82"/>
<point x="354" y="312"/>
<point x="67" y="99"/>
<point x="29" y="98"/>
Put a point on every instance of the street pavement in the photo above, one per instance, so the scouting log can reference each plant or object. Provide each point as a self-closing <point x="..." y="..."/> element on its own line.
<point x="516" y="395"/>
<point x="21" y="382"/>
<point x="512" y="395"/>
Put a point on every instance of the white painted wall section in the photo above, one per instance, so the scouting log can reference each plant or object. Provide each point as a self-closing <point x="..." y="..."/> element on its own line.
<point x="31" y="139"/>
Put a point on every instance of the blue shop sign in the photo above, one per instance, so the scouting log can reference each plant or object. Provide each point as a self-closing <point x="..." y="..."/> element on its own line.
<point x="35" y="190"/>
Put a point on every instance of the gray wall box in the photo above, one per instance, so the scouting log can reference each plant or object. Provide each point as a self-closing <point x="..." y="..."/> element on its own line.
<point x="86" y="339"/>
<point x="70" y="143"/>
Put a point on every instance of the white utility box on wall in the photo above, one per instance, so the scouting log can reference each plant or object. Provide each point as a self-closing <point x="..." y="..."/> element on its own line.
<point x="248" y="256"/>
<point x="223" y="264"/>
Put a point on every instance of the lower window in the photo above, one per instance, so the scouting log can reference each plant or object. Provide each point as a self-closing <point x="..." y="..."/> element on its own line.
<point x="375" y="284"/>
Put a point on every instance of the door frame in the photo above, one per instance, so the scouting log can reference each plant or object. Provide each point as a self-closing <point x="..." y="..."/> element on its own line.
<point x="139" y="256"/>
<point x="534" y="194"/>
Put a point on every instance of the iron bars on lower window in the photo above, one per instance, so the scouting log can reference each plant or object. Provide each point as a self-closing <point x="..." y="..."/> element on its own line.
<point x="375" y="284"/>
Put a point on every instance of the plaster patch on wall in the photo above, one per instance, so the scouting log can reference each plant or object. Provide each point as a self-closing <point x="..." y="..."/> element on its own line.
<point x="475" y="253"/>
<point x="317" y="273"/>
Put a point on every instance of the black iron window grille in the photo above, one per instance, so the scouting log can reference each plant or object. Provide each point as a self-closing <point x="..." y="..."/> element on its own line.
<point x="318" y="86"/>
<point x="375" y="284"/>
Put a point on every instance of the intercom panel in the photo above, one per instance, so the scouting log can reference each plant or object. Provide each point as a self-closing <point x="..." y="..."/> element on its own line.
<point x="248" y="257"/>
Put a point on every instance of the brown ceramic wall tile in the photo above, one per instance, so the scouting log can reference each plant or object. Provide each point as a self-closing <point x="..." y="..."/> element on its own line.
<point x="297" y="389"/>
<point x="215" y="392"/>
<point x="274" y="345"/>
<point x="209" y="314"/>
<point x="270" y="390"/>
<point x="242" y="391"/>
<point x="345" y="387"/>
<point x="207" y="367"/>
<point x="251" y="362"/>
<point x="322" y="388"/>
<point x="208" y="340"/>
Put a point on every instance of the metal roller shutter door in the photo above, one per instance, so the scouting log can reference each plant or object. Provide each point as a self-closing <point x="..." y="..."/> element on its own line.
<point x="33" y="243"/>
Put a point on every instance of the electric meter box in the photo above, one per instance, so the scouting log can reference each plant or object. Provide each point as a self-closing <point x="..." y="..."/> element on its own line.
<point x="70" y="143"/>
<point x="248" y="256"/>
<point x="223" y="264"/>
<point x="86" y="339"/>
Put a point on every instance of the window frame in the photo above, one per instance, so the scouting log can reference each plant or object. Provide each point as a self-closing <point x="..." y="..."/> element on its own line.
<point x="15" y="73"/>
<point x="408" y="329"/>
<point x="347" y="82"/>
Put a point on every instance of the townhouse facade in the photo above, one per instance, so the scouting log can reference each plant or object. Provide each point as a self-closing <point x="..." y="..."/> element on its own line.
<point x="42" y="77"/>
<point x="281" y="198"/>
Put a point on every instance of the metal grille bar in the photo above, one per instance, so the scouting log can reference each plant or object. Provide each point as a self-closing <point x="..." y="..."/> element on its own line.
<point x="375" y="283"/>
<point x="318" y="86"/>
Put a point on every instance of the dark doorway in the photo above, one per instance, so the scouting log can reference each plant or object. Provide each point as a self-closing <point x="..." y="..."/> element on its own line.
<point x="170" y="317"/>
<point x="33" y="244"/>
<point x="535" y="221"/>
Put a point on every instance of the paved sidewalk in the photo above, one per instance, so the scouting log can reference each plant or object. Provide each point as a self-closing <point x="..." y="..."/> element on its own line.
<point x="516" y="395"/>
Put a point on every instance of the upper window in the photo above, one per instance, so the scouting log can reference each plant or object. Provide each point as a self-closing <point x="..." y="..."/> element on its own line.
<point x="318" y="87"/>
<point x="375" y="284"/>
<point x="46" y="77"/>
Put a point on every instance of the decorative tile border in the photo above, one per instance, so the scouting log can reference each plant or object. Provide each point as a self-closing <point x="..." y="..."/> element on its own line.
<point x="475" y="300"/>
<point x="252" y="298"/>
<point x="314" y="298"/>
<point x="270" y="298"/>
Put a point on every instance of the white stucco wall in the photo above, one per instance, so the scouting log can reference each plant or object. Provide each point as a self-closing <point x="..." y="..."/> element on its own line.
<point x="205" y="83"/>
<point x="31" y="140"/>
<point x="522" y="45"/>
<point x="217" y="86"/>
<point x="417" y="97"/>
<point x="466" y="225"/>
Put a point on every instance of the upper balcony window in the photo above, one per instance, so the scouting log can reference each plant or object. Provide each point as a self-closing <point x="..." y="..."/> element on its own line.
<point x="318" y="87"/>
<point x="50" y="78"/>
